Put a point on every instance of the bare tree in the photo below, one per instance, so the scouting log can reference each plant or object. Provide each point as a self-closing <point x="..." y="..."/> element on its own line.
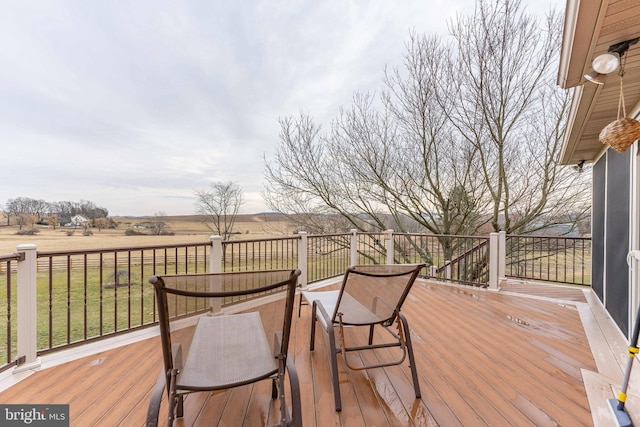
<point x="26" y="220"/>
<point x="53" y="220"/>
<point x="160" y="226"/>
<point x="101" y="223"/>
<point x="5" y="213"/>
<point x="501" y="97"/>
<point x="21" y="206"/>
<point x="220" y="205"/>
<point x="398" y="168"/>
<point x="91" y="211"/>
<point x="465" y="134"/>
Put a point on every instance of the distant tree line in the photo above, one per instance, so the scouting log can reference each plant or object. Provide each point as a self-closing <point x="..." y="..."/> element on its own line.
<point x="22" y="211"/>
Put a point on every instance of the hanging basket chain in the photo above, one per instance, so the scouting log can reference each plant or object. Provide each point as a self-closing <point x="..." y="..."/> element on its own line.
<point x="621" y="101"/>
<point x="624" y="131"/>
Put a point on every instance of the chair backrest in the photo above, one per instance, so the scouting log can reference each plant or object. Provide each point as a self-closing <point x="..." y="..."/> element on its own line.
<point x="187" y="295"/>
<point x="373" y="294"/>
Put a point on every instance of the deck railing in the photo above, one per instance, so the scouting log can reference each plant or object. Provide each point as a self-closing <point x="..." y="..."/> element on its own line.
<point x="50" y="300"/>
<point x="8" y="333"/>
<point x="457" y="259"/>
<point x="259" y="255"/>
<point x="93" y="294"/>
<point x="554" y="259"/>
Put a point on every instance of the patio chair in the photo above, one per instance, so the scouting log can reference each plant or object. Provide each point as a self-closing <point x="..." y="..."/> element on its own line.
<point x="370" y="295"/>
<point x="226" y="350"/>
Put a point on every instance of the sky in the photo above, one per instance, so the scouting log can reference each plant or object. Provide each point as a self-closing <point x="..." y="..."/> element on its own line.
<point x="136" y="105"/>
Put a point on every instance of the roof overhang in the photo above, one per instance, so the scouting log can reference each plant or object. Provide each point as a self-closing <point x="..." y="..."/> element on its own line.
<point x="590" y="28"/>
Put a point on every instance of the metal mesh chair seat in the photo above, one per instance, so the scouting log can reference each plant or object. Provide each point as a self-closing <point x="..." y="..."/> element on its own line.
<point x="238" y="345"/>
<point x="352" y="311"/>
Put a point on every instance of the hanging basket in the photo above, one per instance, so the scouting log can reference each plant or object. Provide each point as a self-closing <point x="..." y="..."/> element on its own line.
<point x="623" y="132"/>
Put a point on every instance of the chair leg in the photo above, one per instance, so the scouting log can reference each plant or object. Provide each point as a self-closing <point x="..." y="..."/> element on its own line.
<point x="333" y="351"/>
<point x="274" y="389"/>
<point x="176" y="406"/>
<point x="412" y="360"/>
<point x="296" y="406"/>
<point x="153" y="410"/>
<point x="180" y="407"/>
<point x="172" y="398"/>
<point x="314" y="311"/>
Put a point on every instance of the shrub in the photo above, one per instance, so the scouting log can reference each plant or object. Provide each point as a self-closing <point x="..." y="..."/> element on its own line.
<point x="132" y="232"/>
<point x="27" y="232"/>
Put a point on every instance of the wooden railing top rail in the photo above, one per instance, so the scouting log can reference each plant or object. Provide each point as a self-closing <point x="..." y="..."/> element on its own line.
<point x="264" y="239"/>
<point x="439" y="236"/>
<point x="160" y="246"/>
<point x="10" y="257"/>
<point x="331" y="235"/>
<point x="118" y="249"/>
<point x="534" y="236"/>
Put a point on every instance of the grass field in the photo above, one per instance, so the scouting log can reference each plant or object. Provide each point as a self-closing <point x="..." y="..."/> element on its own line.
<point x="186" y="229"/>
<point x="73" y="297"/>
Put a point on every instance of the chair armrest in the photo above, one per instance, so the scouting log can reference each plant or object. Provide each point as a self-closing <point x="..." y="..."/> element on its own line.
<point x="325" y="316"/>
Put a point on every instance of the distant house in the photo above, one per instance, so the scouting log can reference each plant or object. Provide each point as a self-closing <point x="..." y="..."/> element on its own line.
<point x="77" y="221"/>
<point x="147" y="225"/>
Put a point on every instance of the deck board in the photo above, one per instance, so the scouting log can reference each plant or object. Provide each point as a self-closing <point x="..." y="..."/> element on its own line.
<point x="550" y="290"/>
<point x="484" y="359"/>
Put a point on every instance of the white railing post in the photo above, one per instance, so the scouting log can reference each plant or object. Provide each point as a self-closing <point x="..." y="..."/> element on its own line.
<point x="502" y="257"/>
<point x="27" y="308"/>
<point x="353" y="246"/>
<point x="494" y="257"/>
<point x="215" y="266"/>
<point x="389" y="245"/>
<point x="302" y="260"/>
<point x="447" y="270"/>
<point x="215" y="256"/>
<point x="433" y="271"/>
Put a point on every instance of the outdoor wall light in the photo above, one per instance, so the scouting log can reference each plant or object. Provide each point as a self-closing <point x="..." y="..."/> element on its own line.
<point x="606" y="62"/>
<point x="609" y="61"/>
<point x="595" y="77"/>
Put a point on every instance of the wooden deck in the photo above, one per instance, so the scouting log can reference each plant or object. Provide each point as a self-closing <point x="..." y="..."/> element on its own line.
<point x="484" y="359"/>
